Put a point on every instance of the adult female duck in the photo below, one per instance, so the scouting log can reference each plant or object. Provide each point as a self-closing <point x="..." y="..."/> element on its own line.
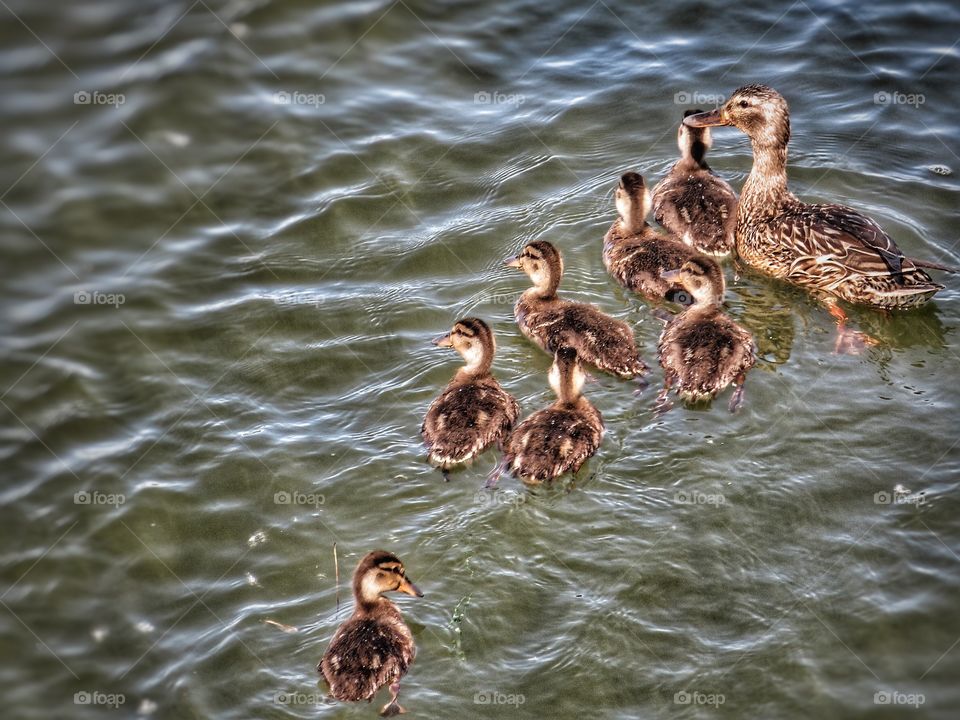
<point x="830" y="249"/>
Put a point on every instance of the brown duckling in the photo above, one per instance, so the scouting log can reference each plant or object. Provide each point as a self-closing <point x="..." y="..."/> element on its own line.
<point x="552" y="323"/>
<point x="692" y="202"/>
<point x="374" y="647"/>
<point x="634" y="253"/>
<point x="701" y="349"/>
<point x="560" y="438"/>
<point x="473" y="411"/>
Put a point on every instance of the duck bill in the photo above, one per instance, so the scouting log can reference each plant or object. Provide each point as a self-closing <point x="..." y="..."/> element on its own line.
<point x="408" y="588"/>
<point x="712" y="118"/>
<point x="442" y="341"/>
<point x="513" y="262"/>
<point x="671" y="275"/>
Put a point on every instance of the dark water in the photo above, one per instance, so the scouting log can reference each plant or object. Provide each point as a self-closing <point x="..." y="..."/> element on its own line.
<point x="271" y="208"/>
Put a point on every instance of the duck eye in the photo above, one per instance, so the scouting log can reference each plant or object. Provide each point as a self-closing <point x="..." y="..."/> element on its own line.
<point x="744" y="103"/>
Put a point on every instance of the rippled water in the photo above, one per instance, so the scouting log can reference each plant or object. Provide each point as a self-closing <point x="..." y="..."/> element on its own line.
<point x="272" y="207"/>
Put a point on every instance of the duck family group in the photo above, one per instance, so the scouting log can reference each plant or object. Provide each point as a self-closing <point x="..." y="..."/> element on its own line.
<point x="832" y="250"/>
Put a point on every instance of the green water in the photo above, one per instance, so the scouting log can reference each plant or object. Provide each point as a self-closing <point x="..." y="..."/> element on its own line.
<point x="283" y="262"/>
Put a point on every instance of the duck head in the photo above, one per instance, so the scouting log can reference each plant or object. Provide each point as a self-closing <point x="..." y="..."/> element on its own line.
<point x="633" y="201"/>
<point x="566" y="375"/>
<point x="380" y="572"/>
<point x="693" y="141"/>
<point x="702" y="278"/>
<point x="473" y="339"/>
<point x="542" y="262"/>
<point x="759" y="111"/>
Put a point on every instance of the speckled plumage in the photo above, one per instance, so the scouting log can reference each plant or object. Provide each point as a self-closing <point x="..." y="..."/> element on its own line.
<point x="692" y="202"/>
<point x="634" y="253"/>
<point x="473" y="411"/>
<point x="366" y="654"/>
<point x="701" y="350"/>
<point x="561" y="437"/>
<point x="830" y="249"/>
<point x="552" y="322"/>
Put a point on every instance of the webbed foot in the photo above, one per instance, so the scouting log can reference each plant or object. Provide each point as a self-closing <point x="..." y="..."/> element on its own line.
<point x="852" y="342"/>
<point x="393" y="707"/>
<point x="664" y="403"/>
<point x="495" y="474"/>
<point x="642" y="384"/>
<point x="848" y="342"/>
<point x="737" y="399"/>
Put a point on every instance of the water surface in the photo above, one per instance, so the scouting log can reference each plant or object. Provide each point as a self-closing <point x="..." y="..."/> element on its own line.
<point x="272" y="207"/>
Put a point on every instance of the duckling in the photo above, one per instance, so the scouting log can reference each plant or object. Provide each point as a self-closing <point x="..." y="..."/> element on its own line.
<point x="692" y="202"/>
<point x="831" y="250"/>
<point x="634" y="253"/>
<point x="473" y="411"/>
<point x="702" y="349"/>
<point x="552" y="323"/>
<point x="374" y="646"/>
<point x="560" y="438"/>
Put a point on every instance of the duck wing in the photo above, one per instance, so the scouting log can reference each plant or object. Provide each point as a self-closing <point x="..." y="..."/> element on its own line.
<point x="600" y="340"/>
<point x="840" y="236"/>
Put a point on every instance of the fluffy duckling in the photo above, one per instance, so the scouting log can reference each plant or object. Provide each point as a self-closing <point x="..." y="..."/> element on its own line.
<point x="560" y="438"/>
<point x="552" y="323"/>
<point x="634" y="253"/>
<point x="701" y="349"/>
<point x="473" y="411"/>
<point x="374" y="646"/>
<point x="692" y="202"/>
<point x="832" y="250"/>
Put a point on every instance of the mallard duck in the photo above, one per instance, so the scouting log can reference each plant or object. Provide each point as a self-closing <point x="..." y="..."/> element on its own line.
<point x="692" y="202"/>
<point x="473" y="411"/>
<point x="560" y="438"/>
<point x="374" y="646"/>
<point x="701" y="349"/>
<point x="634" y="253"/>
<point x="552" y="323"/>
<point x="830" y="249"/>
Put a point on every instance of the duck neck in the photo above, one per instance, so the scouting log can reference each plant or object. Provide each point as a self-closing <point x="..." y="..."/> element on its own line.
<point x="632" y="223"/>
<point x="765" y="190"/>
<point x="693" y="156"/>
<point x="367" y="601"/>
<point x="477" y="365"/>
<point x="546" y="288"/>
